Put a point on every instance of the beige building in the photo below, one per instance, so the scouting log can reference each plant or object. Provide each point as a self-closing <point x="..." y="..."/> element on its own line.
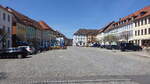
<point x="141" y="34"/>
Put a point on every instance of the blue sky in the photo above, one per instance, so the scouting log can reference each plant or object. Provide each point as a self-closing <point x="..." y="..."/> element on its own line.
<point x="67" y="16"/>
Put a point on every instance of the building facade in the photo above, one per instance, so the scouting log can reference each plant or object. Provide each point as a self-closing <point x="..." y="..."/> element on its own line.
<point x="85" y="37"/>
<point x="48" y="35"/>
<point x="134" y="28"/>
<point x="5" y="28"/>
<point x="141" y="33"/>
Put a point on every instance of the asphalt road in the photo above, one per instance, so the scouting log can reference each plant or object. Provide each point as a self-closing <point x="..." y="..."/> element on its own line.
<point x="77" y="64"/>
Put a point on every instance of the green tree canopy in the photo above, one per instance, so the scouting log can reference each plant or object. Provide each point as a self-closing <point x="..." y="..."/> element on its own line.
<point x="110" y="38"/>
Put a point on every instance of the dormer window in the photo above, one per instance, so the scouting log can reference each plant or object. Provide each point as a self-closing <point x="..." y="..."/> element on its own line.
<point x="143" y="12"/>
<point x="133" y="17"/>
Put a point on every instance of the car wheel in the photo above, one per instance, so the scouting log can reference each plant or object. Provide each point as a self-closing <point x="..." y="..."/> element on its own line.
<point x="19" y="56"/>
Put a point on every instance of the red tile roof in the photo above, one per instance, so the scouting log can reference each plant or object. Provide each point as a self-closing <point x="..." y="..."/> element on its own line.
<point x="137" y="13"/>
<point x="18" y="17"/>
<point x="45" y="26"/>
<point x="132" y="17"/>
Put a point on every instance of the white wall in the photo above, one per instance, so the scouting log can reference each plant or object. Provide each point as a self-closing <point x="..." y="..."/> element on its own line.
<point x="79" y="38"/>
<point x="8" y="27"/>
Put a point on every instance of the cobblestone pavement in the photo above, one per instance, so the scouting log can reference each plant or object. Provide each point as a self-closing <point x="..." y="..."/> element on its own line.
<point x="78" y="64"/>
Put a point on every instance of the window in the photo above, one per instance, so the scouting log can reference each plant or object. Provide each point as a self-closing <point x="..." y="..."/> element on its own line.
<point x="4" y="29"/>
<point x="138" y="32"/>
<point x="135" y="24"/>
<point x="4" y="16"/>
<point x="145" y="20"/>
<point x="135" y="33"/>
<point x="142" y="22"/>
<point x="8" y="18"/>
<point x="8" y="30"/>
<point x="138" y="23"/>
<point x="149" y="30"/>
<point x="145" y="31"/>
<point x="142" y="32"/>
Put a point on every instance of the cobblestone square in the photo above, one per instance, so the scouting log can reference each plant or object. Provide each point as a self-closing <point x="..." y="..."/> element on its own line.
<point x="77" y="64"/>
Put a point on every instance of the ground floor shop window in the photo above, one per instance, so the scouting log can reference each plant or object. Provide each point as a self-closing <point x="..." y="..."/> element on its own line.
<point x="146" y="43"/>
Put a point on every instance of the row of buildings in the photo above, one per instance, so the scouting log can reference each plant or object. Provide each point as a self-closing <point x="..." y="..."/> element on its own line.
<point x="134" y="28"/>
<point x="17" y="29"/>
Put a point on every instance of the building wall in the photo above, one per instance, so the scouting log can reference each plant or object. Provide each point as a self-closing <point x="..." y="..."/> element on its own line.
<point x="45" y="38"/>
<point x="6" y="27"/>
<point x="31" y="33"/>
<point x="141" y="30"/>
<point x="38" y="36"/>
<point x="91" y="39"/>
<point x="100" y="38"/>
<point x="122" y="33"/>
<point x="80" y="40"/>
<point x="21" y="31"/>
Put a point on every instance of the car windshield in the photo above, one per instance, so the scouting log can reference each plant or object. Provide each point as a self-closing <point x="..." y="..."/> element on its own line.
<point x="74" y="41"/>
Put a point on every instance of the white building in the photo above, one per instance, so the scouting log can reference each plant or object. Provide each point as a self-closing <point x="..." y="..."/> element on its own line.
<point x="134" y="28"/>
<point x="79" y="40"/>
<point x="85" y="37"/>
<point x="122" y="31"/>
<point x="101" y="34"/>
<point x="5" y="28"/>
<point x="141" y="29"/>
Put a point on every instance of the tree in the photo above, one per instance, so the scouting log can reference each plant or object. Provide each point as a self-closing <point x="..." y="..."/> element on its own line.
<point x="125" y="35"/>
<point x="3" y="38"/>
<point x="110" y="38"/>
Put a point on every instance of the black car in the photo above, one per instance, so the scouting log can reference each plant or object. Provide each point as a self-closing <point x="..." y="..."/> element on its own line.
<point x="115" y="47"/>
<point x="14" y="52"/>
<point x="38" y="49"/>
<point x="129" y="46"/>
<point x="108" y="47"/>
<point x="96" y="45"/>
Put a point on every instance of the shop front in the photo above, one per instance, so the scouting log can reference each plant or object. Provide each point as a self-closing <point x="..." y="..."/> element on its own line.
<point x="146" y="43"/>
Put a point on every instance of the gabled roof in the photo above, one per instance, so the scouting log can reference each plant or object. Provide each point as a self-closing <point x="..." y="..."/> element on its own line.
<point x="58" y="34"/>
<point x="18" y="17"/>
<point x="130" y="18"/>
<point x="4" y="8"/>
<point x="138" y="14"/>
<point x="107" y="27"/>
<point x="86" y="32"/>
<point x="45" y="26"/>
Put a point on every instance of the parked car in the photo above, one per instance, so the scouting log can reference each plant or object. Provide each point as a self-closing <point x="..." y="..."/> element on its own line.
<point x="38" y="49"/>
<point x="108" y="47"/>
<point x="14" y="52"/>
<point x="102" y="46"/>
<point x="116" y="47"/>
<point x="129" y="46"/>
<point x="30" y="49"/>
<point x="96" y="45"/>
